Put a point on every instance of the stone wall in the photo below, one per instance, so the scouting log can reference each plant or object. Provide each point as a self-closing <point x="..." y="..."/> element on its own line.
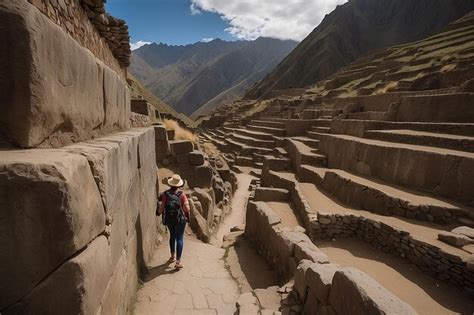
<point x="78" y="224"/>
<point x="282" y="247"/>
<point x="322" y="288"/>
<point x="87" y="22"/>
<point x="54" y="91"/>
<point x="331" y="289"/>
<point x="413" y="168"/>
<point x="430" y="259"/>
<point x="209" y="178"/>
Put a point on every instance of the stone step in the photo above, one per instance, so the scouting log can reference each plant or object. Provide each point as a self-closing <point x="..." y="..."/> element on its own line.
<point x="368" y="115"/>
<point x="246" y="150"/>
<point x="269" y="123"/>
<point x="244" y="161"/>
<point x="326" y="118"/>
<point x="251" y="133"/>
<point x="300" y="153"/>
<point x="321" y="129"/>
<point x="441" y="140"/>
<point x="357" y="127"/>
<point x="378" y="197"/>
<point x="422" y="168"/>
<point x="312" y="143"/>
<point x="274" y="131"/>
<point x="314" y="135"/>
<point x="252" y="141"/>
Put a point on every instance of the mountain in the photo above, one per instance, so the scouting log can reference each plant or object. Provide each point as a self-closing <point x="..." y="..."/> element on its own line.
<point x="188" y="77"/>
<point x="354" y="29"/>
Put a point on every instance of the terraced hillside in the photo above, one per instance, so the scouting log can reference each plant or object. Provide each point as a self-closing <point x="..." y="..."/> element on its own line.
<point x="353" y="29"/>
<point x="378" y="162"/>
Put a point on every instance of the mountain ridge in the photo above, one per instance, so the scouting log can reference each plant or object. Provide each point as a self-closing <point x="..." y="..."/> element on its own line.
<point x="198" y="73"/>
<point x="354" y="29"/>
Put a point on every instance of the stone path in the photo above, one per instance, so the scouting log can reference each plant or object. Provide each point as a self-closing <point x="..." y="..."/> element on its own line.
<point x="203" y="286"/>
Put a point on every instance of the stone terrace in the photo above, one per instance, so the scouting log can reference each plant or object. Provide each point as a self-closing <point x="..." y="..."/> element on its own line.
<point x="393" y="168"/>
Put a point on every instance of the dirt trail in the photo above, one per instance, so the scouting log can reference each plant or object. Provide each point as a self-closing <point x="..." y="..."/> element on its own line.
<point x="211" y="280"/>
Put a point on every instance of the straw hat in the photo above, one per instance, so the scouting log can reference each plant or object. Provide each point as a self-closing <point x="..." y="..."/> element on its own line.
<point x="175" y="181"/>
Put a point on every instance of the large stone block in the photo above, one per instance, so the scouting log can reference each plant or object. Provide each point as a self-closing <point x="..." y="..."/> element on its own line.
<point x="271" y="194"/>
<point x="202" y="177"/>
<point x="354" y="292"/>
<point x="319" y="278"/>
<point x="123" y="165"/>
<point x="123" y="283"/>
<point x="160" y="132"/>
<point x="181" y="146"/>
<point x="51" y="208"/>
<point x="76" y="287"/>
<point x="309" y="251"/>
<point x="300" y="279"/>
<point x="54" y="90"/>
<point x="196" y="157"/>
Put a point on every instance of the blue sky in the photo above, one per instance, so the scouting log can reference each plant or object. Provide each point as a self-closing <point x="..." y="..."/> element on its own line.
<point x="167" y="21"/>
<point x="181" y="22"/>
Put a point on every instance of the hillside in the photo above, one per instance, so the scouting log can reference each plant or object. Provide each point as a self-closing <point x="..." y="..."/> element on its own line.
<point x="353" y="29"/>
<point x="188" y="77"/>
<point x="139" y="91"/>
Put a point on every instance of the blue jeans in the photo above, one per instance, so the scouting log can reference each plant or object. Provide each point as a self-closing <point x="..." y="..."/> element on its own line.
<point x="176" y="238"/>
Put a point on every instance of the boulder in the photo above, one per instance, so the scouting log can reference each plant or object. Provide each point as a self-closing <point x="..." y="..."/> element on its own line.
<point x="51" y="208"/>
<point x="181" y="146"/>
<point x="353" y="292"/>
<point x="319" y="278"/>
<point x="457" y="240"/>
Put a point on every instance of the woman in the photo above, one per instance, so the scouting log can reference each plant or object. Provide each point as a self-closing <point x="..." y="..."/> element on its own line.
<point x="175" y="209"/>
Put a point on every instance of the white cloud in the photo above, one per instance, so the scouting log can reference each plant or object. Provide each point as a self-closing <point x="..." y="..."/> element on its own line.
<point x="194" y="9"/>
<point x="138" y="44"/>
<point x="207" y="39"/>
<point x="284" y="19"/>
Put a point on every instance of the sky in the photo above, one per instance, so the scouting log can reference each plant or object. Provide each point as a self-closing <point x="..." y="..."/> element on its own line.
<point x="180" y="22"/>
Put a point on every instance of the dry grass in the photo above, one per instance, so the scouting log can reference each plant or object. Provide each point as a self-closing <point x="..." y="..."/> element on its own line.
<point x="387" y="88"/>
<point x="209" y="149"/>
<point x="180" y="133"/>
